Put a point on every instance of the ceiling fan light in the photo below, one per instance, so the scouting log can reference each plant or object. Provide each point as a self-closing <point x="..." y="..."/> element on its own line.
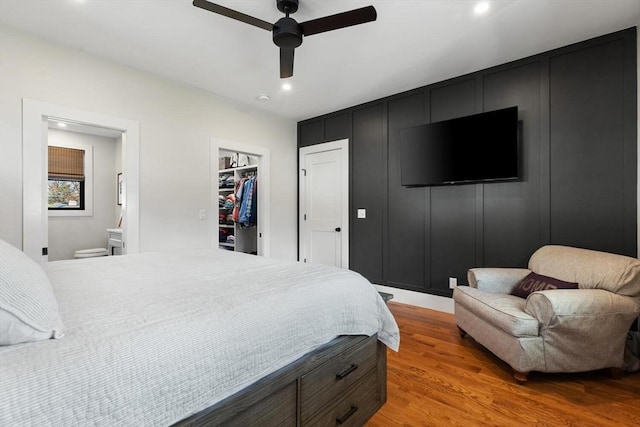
<point x="481" y="8"/>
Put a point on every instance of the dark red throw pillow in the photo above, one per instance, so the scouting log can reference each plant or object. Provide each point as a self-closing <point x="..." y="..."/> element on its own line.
<point x="537" y="282"/>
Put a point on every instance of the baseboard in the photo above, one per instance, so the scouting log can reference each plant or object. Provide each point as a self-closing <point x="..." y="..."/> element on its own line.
<point x="419" y="299"/>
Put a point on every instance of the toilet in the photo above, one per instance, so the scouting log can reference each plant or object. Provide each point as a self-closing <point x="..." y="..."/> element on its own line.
<point x="91" y="253"/>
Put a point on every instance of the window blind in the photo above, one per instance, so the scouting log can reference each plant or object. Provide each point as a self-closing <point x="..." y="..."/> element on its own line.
<point x="66" y="163"/>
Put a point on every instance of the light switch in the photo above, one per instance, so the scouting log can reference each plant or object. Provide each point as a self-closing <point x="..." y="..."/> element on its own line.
<point x="202" y="214"/>
<point x="362" y="213"/>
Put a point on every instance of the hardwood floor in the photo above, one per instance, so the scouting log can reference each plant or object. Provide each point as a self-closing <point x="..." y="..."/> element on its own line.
<point x="440" y="379"/>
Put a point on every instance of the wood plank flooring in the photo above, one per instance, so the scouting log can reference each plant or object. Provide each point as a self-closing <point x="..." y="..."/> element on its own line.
<point x="440" y="379"/>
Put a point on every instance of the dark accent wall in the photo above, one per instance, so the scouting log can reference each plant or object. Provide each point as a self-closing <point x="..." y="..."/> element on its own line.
<point x="577" y="110"/>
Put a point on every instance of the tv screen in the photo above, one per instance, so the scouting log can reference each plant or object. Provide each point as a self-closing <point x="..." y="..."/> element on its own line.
<point x="481" y="147"/>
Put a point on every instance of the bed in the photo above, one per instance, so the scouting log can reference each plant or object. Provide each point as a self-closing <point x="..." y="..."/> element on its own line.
<point x="200" y="337"/>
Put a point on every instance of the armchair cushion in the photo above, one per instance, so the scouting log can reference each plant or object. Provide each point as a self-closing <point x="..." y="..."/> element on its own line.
<point x="537" y="282"/>
<point x="502" y="310"/>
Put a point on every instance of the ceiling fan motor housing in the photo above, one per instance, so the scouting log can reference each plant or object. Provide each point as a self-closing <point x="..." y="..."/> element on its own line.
<point x="287" y="6"/>
<point x="287" y="33"/>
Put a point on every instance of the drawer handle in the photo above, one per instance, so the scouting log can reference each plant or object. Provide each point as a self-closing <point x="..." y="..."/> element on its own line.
<point x="346" y="416"/>
<point x="343" y="374"/>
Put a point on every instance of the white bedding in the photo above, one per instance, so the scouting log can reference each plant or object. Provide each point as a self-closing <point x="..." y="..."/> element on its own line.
<point x="153" y="338"/>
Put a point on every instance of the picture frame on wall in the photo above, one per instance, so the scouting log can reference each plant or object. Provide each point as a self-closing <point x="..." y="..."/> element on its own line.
<point x="119" y="187"/>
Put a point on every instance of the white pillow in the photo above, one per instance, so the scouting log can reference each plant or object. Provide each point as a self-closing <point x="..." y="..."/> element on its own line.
<point x="28" y="307"/>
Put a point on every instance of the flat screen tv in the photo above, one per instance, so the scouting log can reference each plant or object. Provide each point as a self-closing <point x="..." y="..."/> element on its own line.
<point x="478" y="148"/>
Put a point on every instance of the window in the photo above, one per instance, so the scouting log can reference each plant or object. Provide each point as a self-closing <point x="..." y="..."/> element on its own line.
<point x="66" y="178"/>
<point x="66" y="194"/>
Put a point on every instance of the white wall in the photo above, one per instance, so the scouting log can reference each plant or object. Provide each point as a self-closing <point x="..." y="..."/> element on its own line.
<point x="176" y="124"/>
<point x="67" y="234"/>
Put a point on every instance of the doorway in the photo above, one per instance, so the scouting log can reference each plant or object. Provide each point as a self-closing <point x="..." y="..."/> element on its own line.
<point x="84" y="162"/>
<point x="324" y="203"/>
<point x="255" y="240"/>
<point x="35" y="117"/>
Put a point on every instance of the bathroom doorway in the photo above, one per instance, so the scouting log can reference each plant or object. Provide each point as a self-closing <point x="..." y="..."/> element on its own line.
<point x="84" y="165"/>
<point x="36" y="118"/>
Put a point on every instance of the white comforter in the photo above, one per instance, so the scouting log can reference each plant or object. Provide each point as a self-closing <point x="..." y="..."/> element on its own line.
<point x="153" y="338"/>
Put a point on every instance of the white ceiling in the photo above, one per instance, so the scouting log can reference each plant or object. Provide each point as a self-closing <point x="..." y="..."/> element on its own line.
<point x="413" y="42"/>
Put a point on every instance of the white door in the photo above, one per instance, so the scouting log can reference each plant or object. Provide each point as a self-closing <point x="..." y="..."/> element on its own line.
<point x="324" y="204"/>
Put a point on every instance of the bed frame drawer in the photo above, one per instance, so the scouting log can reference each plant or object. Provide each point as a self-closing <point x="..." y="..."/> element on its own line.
<point x="355" y="408"/>
<point x="335" y="377"/>
<point x="279" y="409"/>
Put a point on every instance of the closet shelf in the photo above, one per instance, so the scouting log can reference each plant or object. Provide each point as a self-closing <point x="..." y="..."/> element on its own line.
<point x="239" y="169"/>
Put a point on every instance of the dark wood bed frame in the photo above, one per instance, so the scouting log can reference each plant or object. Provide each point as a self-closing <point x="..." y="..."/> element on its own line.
<point x="343" y="382"/>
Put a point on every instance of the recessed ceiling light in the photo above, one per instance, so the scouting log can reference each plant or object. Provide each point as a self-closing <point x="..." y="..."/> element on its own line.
<point x="286" y="86"/>
<point x="481" y="8"/>
<point x="62" y="125"/>
<point x="263" y="97"/>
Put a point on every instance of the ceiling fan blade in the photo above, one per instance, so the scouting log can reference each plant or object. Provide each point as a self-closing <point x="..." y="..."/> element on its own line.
<point x="286" y="62"/>
<point x="233" y="14"/>
<point x="339" y="20"/>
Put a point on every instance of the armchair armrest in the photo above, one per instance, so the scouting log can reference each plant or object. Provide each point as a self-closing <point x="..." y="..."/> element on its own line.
<point x="579" y="303"/>
<point x="583" y="329"/>
<point x="496" y="280"/>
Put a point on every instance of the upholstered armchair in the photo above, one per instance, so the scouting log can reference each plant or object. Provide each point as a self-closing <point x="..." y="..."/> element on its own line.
<point x="553" y="329"/>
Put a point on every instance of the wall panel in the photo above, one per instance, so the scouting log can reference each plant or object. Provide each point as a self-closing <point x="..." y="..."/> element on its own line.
<point x="405" y="256"/>
<point x="452" y="227"/>
<point x="337" y="127"/>
<point x="367" y="188"/>
<point x="587" y="147"/>
<point x="310" y="133"/>
<point x="511" y="218"/>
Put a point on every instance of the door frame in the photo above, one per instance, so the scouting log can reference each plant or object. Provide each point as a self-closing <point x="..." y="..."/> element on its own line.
<point x="264" y="189"/>
<point x="343" y="146"/>
<point x="35" y="224"/>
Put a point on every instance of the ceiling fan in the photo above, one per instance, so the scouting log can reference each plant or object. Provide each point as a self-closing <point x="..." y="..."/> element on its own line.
<point x="287" y="33"/>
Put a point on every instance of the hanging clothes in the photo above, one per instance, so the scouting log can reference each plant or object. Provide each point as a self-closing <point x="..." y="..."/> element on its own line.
<point x="238" y="199"/>
<point x="248" y="215"/>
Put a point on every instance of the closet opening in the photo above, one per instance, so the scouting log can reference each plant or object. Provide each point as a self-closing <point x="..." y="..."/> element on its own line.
<point x="240" y="197"/>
